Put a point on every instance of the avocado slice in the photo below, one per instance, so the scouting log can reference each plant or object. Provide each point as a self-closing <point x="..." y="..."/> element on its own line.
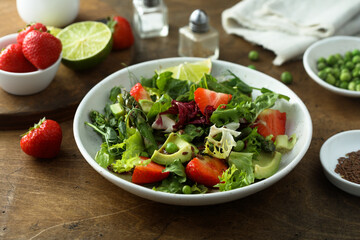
<point x="117" y="109"/>
<point x="266" y="164"/>
<point x="284" y="143"/>
<point x="146" y="105"/>
<point x="185" y="153"/>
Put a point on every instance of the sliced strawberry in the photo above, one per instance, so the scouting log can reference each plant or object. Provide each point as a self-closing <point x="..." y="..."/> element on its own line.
<point x="205" y="170"/>
<point x="205" y="97"/>
<point x="150" y="173"/>
<point x="271" y="122"/>
<point x="36" y="26"/>
<point x="139" y="92"/>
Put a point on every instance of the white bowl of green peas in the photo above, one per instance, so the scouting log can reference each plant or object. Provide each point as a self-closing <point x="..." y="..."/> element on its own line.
<point x="334" y="63"/>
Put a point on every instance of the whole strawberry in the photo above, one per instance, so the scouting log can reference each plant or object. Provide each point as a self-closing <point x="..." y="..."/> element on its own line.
<point x="42" y="49"/>
<point x="122" y="34"/>
<point x="36" y="26"/>
<point x="43" y="140"/>
<point x="12" y="60"/>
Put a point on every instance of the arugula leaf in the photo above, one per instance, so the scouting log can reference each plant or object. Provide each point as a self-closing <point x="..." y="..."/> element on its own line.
<point x="237" y="83"/>
<point x="177" y="180"/>
<point x="161" y="105"/>
<point x="103" y="157"/>
<point x="114" y="92"/>
<point x="173" y="87"/>
<point x="190" y="132"/>
<point x="244" y="162"/>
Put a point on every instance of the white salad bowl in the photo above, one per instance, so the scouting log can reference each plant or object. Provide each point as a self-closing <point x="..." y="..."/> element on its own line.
<point x="325" y="48"/>
<point x="335" y="147"/>
<point x="88" y="142"/>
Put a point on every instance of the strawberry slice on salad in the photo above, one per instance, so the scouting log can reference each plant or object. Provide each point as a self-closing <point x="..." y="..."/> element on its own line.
<point x="149" y="173"/>
<point x="205" y="97"/>
<point x="205" y="170"/>
<point x="271" y="122"/>
<point x="139" y="92"/>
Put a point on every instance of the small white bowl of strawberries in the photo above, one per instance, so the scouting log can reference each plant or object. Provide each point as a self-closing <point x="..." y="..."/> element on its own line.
<point x="29" y="60"/>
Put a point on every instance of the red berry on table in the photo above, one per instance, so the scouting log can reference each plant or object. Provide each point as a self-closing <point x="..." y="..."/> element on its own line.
<point x="205" y="97"/>
<point x="139" y="92"/>
<point x="271" y="122"/>
<point x="36" y="26"/>
<point x="42" y="49"/>
<point x="205" y="170"/>
<point x="43" y="140"/>
<point x="12" y="59"/>
<point x="122" y="33"/>
<point x="149" y="173"/>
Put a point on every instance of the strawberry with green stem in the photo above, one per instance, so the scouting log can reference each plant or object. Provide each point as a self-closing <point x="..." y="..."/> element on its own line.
<point x="122" y="33"/>
<point x="43" y="140"/>
<point x="22" y="33"/>
<point x="42" y="49"/>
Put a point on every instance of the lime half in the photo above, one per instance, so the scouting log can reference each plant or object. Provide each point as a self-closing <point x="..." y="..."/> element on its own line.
<point x="85" y="44"/>
<point x="53" y="30"/>
<point x="192" y="71"/>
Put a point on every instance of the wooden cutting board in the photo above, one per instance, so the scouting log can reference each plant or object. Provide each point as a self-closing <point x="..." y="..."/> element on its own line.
<point x="60" y="100"/>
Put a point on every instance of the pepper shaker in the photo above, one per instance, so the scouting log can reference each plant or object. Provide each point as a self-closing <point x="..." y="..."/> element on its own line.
<point x="198" y="39"/>
<point x="150" y="18"/>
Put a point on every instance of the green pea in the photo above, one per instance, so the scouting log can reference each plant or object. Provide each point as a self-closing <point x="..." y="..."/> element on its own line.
<point x="357" y="87"/>
<point x="286" y="77"/>
<point x="356" y="52"/>
<point x="336" y="72"/>
<point x="321" y="65"/>
<point x="322" y="75"/>
<point x="348" y="55"/>
<point x="322" y="59"/>
<point x="338" y="56"/>
<point x="186" y="189"/>
<point x="328" y="70"/>
<point x="253" y="55"/>
<point x="356" y="59"/>
<point x="352" y="85"/>
<point x="345" y="76"/>
<point x="330" y="79"/>
<point x="337" y="83"/>
<point x="349" y="65"/>
<point x="171" y="147"/>
<point x="344" y="85"/>
<point x="331" y="60"/>
<point x="239" y="146"/>
<point x="252" y="67"/>
<point x="355" y="73"/>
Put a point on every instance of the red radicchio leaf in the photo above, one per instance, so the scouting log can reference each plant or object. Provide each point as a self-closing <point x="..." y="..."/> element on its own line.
<point x="189" y="113"/>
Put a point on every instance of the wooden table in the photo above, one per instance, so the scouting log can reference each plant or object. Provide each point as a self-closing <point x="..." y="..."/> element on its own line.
<point x="64" y="198"/>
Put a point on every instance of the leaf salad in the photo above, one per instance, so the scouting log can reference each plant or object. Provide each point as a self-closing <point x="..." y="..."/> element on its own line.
<point x="161" y="126"/>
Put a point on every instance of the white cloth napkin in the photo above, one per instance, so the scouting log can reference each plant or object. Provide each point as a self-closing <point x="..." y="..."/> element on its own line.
<point x="288" y="27"/>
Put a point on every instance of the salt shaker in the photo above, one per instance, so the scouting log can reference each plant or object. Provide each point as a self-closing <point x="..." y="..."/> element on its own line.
<point x="150" y="18"/>
<point x="198" y="39"/>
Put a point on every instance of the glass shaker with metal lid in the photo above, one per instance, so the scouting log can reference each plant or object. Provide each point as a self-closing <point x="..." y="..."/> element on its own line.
<point x="150" y="18"/>
<point x="198" y="39"/>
